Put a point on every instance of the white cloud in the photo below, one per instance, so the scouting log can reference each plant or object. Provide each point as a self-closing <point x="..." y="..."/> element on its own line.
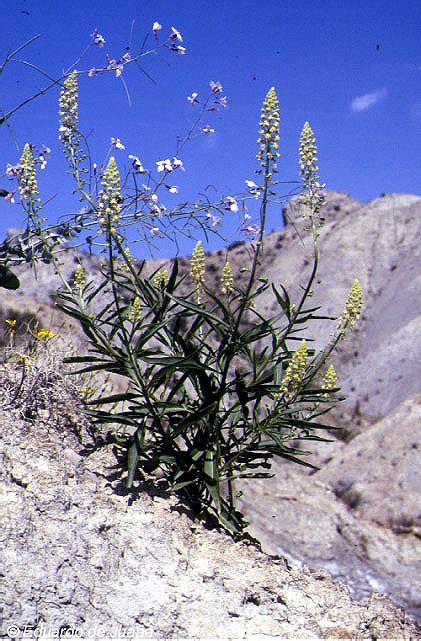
<point x="368" y="100"/>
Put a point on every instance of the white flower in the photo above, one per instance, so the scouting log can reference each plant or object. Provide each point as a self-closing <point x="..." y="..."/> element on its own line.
<point x="208" y="130"/>
<point x="176" y="35"/>
<point x="97" y="38"/>
<point x="173" y="189"/>
<point x="177" y="163"/>
<point x="154" y="197"/>
<point x="164" y="165"/>
<point x="92" y="72"/>
<point x="251" y="230"/>
<point x="155" y="231"/>
<point x="13" y="171"/>
<point x="231" y="204"/>
<point x="193" y="98"/>
<point x="250" y="184"/>
<point x="180" y="50"/>
<point x="117" y="144"/>
<point x="215" y="86"/>
<point x="137" y="164"/>
<point x="156" y="27"/>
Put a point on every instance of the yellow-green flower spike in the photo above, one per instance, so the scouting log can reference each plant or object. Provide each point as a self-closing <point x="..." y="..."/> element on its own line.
<point x="197" y="264"/>
<point x="28" y="186"/>
<point x="68" y="103"/>
<point x="197" y="269"/>
<point x="79" y="278"/>
<point x="313" y="196"/>
<point x="353" y="307"/>
<point x="227" y="279"/>
<point x="110" y="197"/>
<point x="136" y="309"/>
<point x="268" y="139"/>
<point x="295" y="372"/>
<point x="308" y="153"/>
<point x="330" y="380"/>
<point x="161" y="279"/>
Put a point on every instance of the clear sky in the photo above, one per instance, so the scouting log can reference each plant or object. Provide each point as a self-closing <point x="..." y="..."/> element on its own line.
<point x="353" y="69"/>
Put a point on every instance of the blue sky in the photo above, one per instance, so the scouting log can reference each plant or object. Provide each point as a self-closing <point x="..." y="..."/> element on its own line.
<point x="352" y="69"/>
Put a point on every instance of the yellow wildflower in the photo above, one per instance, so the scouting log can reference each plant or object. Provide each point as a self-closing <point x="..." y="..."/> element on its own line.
<point x="11" y="322"/>
<point x="44" y="334"/>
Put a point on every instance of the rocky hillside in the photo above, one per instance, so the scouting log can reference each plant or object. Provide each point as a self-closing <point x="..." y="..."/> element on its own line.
<point x="82" y="556"/>
<point x="358" y="516"/>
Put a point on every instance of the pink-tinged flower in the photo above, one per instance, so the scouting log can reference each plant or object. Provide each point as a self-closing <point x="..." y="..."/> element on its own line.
<point x="212" y="220"/>
<point x="137" y="165"/>
<point x="173" y="189"/>
<point x="223" y="102"/>
<point x="13" y="171"/>
<point x="10" y="197"/>
<point x="117" y="144"/>
<point x="251" y="230"/>
<point x="175" y="35"/>
<point x="127" y="57"/>
<point x="115" y="65"/>
<point x="97" y="38"/>
<point x="164" y="165"/>
<point x="92" y="72"/>
<point x="155" y="231"/>
<point x="231" y="204"/>
<point x="178" y="49"/>
<point x="156" y="27"/>
<point x="215" y="86"/>
<point x="193" y="98"/>
<point x="177" y="163"/>
<point x="208" y="130"/>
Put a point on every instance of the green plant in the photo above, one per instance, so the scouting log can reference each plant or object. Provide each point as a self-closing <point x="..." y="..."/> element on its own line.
<point x="217" y="389"/>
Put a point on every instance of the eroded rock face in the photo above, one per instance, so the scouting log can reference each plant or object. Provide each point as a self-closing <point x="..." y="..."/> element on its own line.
<point x="358" y="516"/>
<point x="79" y="552"/>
